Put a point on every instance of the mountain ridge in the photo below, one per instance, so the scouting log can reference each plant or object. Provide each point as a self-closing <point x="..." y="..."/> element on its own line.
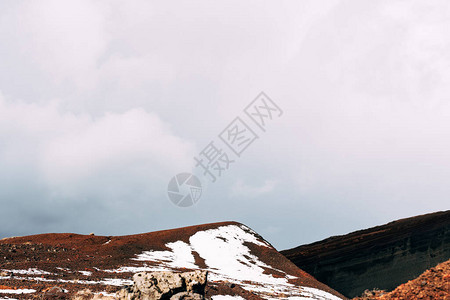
<point x="383" y="256"/>
<point x="239" y="261"/>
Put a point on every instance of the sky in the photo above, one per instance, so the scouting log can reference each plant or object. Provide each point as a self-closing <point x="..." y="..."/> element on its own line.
<point x="103" y="102"/>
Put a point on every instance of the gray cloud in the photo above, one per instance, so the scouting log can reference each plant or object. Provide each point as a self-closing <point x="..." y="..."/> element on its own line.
<point x="102" y="102"/>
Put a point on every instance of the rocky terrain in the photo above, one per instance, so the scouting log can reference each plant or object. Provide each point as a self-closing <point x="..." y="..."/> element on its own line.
<point x="431" y="285"/>
<point x="240" y="265"/>
<point x="381" y="257"/>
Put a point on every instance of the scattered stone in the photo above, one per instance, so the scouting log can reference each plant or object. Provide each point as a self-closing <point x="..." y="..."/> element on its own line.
<point x="230" y="285"/>
<point x="4" y="274"/>
<point x="53" y="293"/>
<point x="54" y="290"/>
<point x="187" y="296"/>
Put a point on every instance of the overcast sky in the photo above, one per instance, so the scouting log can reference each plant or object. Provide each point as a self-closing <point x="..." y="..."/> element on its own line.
<point x="102" y="102"/>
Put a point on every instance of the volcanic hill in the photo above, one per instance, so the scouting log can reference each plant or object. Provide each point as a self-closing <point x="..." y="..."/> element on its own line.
<point x="240" y="263"/>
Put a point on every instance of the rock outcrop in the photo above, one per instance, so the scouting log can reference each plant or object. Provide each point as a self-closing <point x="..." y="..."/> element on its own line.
<point x="166" y="285"/>
<point x="381" y="257"/>
<point x="431" y="285"/>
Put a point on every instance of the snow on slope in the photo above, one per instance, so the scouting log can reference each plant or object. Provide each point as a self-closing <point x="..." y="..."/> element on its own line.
<point x="18" y="291"/>
<point x="226" y="297"/>
<point x="231" y="252"/>
<point x="228" y="259"/>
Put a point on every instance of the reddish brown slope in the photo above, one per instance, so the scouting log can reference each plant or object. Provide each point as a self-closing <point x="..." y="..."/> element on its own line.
<point x="65" y="258"/>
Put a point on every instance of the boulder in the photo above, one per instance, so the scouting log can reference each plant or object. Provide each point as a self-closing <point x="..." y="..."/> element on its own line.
<point x="166" y="285"/>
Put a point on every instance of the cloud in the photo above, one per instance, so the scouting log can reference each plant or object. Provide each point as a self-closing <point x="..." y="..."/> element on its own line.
<point x="72" y="152"/>
<point x="65" y="40"/>
<point x="241" y="189"/>
<point x="104" y="101"/>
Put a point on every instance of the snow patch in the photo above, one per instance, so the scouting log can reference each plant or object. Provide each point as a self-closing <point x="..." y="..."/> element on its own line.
<point x="105" y="294"/>
<point x="30" y="271"/>
<point x="18" y="292"/>
<point x="38" y="279"/>
<point x="116" y="281"/>
<point x="313" y="293"/>
<point x="225" y="297"/>
<point x="105" y="281"/>
<point x="85" y="273"/>
<point x="226" y="254"/>
<point x="138" y="269"/>
<point x="180" y="256"/>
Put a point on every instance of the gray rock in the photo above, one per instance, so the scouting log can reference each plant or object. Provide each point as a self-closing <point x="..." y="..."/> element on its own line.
<point x="195" y="281"/>
<point x="158" y="284"/>
<point x="166" y="285"/>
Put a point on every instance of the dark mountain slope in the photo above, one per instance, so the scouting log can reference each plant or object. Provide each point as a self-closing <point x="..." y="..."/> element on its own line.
<point x="380" y="257"/>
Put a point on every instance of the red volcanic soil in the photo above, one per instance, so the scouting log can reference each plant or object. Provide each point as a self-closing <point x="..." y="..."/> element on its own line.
<point x="63" y="255"/>
<point x="433" y="284"/>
